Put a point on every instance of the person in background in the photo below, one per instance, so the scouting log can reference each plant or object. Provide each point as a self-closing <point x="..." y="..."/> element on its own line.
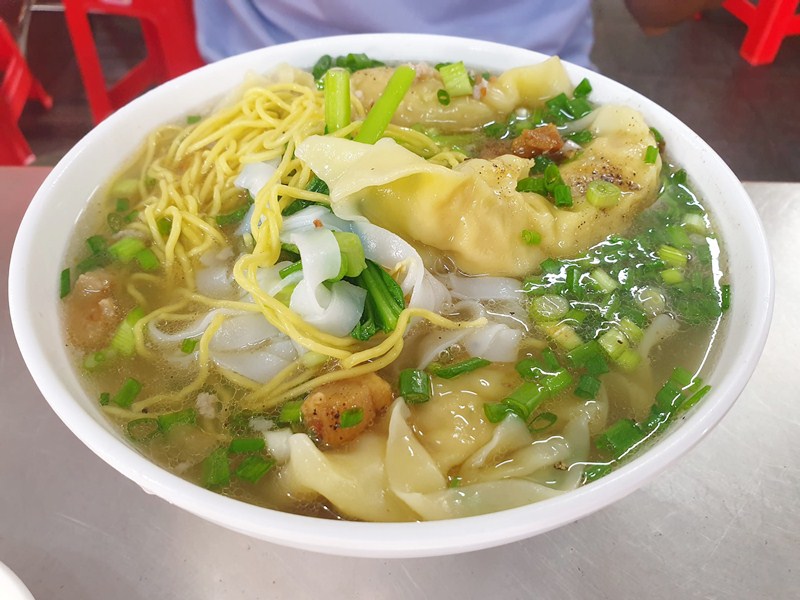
<point x="565" y="28"/>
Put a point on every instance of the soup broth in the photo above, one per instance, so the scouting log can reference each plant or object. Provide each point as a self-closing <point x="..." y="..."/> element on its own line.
<point x="496" y="300"/>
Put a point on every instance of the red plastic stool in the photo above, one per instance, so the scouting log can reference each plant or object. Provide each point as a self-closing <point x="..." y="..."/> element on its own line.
<point x="768" y="23"/>
<point x="17" y="87"/>
<point x="168" y="30"/>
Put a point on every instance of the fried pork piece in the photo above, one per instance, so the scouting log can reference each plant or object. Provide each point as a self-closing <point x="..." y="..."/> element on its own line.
<point x="91" y="311"/>
<point x="535" y="142"/>
<point x="323" y="408"/>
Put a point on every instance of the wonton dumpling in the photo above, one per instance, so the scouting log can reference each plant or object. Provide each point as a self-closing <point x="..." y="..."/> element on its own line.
<point x="473" y="213"/>
<point x="527" y="86"/>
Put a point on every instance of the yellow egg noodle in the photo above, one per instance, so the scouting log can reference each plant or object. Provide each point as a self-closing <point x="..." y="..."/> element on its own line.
<point x="186" y="176"/>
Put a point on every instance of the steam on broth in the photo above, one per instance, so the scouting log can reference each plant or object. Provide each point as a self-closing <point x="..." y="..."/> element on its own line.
<point x="495" y="298"/>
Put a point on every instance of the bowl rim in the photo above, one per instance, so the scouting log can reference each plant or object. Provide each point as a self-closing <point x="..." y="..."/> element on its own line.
<point x="385" y="540"/>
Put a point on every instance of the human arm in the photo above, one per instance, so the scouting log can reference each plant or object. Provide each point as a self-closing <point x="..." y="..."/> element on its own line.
<point x="654" y="16"/>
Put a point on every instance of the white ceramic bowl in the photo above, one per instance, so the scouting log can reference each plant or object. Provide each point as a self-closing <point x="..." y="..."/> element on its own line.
<point x="47" y="227"/>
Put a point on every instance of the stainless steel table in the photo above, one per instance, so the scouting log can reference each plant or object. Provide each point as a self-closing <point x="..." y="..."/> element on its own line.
<point x="724" y="523"/>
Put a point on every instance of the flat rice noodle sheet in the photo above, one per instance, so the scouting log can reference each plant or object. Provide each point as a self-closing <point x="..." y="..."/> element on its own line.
<point x="528" y="86"/>
<point x="473" y="213"/>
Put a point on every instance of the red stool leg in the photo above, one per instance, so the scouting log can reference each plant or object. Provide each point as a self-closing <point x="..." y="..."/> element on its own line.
<point x="88" y="60"/>
<point x="14" y="149"/>
<point x="768" y="24"/>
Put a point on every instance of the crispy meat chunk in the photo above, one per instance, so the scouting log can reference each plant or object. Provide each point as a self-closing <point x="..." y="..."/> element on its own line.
<point x="91" y="311"/>
<point x="538" y="141"/>
<point x="323" y="408"/>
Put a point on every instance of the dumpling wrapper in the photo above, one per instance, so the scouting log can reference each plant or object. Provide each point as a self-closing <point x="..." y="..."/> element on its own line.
<point x="473" y="212"/>
<point x="528" y="86"/>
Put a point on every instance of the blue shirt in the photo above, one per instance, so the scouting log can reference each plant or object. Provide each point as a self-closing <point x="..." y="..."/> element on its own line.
<point x="228" y="27"/>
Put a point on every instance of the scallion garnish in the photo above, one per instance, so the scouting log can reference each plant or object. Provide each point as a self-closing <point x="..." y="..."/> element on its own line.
<point x="602" y="194"/>
<point x="254" y="468"/>
<point x="337" y="99"/>
<point x="455" y="79"/>
<point x="105" y="398"/>
<point x="246" y="445"/>
<point x="542" y="421"/>
<point x="351" y="417"/>
<point x="415" y="386"/>
<point x="188" y="345"/>
<point x="532" y="238"/>
<point x="289" y="269"/>
<point x="291" y="413"/>
<point x="583" y="89"/>
<point x="65" y="283"/>
<point x="192" y="119"/>
<point x="526" y="398"/>
<point x="650" y="155"/>
<point x="443" y="97"/>
<point x="587" y="388"/>
<point x="141" y="430"/>
<point x="187" y="416"/>
<point x="496" y="412"/>
<point x="126" y="249"/>
<point x="216" y="470"/>
<point x="466" y="366"/>
<point x="147" y="260"/>
<point x="127" y="393"/>
<point x="384" y="108"/>
<point x="620" y="438"/>
<point x="562" y="195"/>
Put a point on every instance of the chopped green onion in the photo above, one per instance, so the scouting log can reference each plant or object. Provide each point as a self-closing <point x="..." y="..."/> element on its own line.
<point x="105" y="398"/>
<point x="384" y="108"/>
<point x="127" y="393"/>
<point x="467" y="366"/>
<point x="588" y="387"/>
<point x="123" y="340"/>
<point x="564" y="335"/>
<point x="562" y="195"/>
<point x="532" y="238"/>
<point x="147" y="260"/>
<point x="95" y="360"/>
<point x="725" y="300"/>
<point x="695" y="398"/>
<point x="631" y="330"/>
<point x="187" y="416"/>
<point x="669" y="397"/>
<point x="603" y="194"/>
<point x="315" y="185"/>
<point x="552" y="177"/>
<point x="192" y="119"/>
<point x="352" y="250"/>
<point x="596" y="365"/>
<point x="526" y="398"/>
<point x="234" y="217"/>
<point x="582" y="354"/>
<point x="496" y="412"/>
<point x="603" y="281"/>
<point x="582" y="137"/>
<point x="122" y="204"/>
<point x="65" y="283"/>
<point x="657" y="135"/>
<point x="126" y="249"/>
<point x="115" y="222"/>
<point x="253" y="468"/>
<point x="614" y="342"/>
<point x="694" y="223"/>
<point x="188" y="345"/>
<point x="557" y="382"/>
<point x="550" y="265"/>
<point x="124" y="188"/>
<point x="216" y="470"/>
<point x="291" y="413"/>
<point x="246" y="445"/>
<point x="550" y="359"/>
<point x="351" y="417"/>
<point x="542" y="421"/>
<point x="444" y="97"/>
<point x="651" y="155"/>
<point x="164" y="225"/>
<point x="141" y="430"/>
<point x="97" y="244"/>
<point x="337" y="99"/>
<point x="535" y="185"/>
<point x="672" y="276"/>
<point x="628" y="360"/>
<point x="529" y="369"/>
<point x="415" y="386"/>
<point x="540" y="164"/>
<point x="549" y="307"/>
<point x="455" y="79"/>
<point x="131" y="216"/>
<point x="583" y="89"/>
<point x="672" y="256"/>
<point x="620" y="438"/>
<point x="681" y="377"/>
<point x="288" y="270"/>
